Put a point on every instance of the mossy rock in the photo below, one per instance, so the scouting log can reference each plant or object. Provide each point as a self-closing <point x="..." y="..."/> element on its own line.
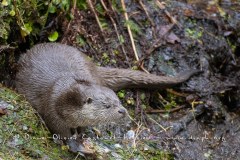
<point x="22" y="133"/>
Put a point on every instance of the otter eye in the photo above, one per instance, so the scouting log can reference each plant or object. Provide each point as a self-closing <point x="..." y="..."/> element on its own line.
<point x="89" y="100"/>
<point x="108" y="106"/>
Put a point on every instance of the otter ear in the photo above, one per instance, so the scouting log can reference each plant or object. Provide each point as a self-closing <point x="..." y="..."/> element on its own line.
<point x="89" y="100"/>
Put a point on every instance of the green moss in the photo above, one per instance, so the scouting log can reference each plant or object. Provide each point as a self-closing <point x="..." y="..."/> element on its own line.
<point x="134" y="27"/>
<point x="151" y="154"/>
<point x="121" y="94"/>
<point x="232" y="44"/>
<point x="80" y="40"/>
<point x="105" y="58"/>
<point x="193" y="33"/>
<point x="193" y="30"/>
<point x="22" y="134"/>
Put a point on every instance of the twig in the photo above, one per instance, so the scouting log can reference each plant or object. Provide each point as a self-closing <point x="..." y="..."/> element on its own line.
<point x="142" y="67"/>
<point x="164" y="111"/>
<point x="74" y="4"/>
<point x="193" y="107"/>
<point x="116" y="30"/>
<point x="138" y="132"/>
<point x="146" y="12"/>
<point x="96" y="17"/>
<point x="165" y="129"/>
<point x="6" y="47"/>
<point x="162" y="100"/>
<point x="77" y="156"/>
<point x="176" y="93"/>
<point x="129" y="30"/>
<point x="143" y="119"/>
<point x="173" y="20"/>
<point x="149" y="18"/>
<point x="70" y="22"/>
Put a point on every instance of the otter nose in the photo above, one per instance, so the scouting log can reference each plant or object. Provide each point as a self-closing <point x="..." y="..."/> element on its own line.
<point x="122" y="111"/>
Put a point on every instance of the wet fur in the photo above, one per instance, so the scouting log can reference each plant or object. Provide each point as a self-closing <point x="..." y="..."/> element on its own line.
<point x="58" y="80"/>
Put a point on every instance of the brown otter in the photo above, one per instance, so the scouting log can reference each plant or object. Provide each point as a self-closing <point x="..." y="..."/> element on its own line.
<point x="69" y="91"/>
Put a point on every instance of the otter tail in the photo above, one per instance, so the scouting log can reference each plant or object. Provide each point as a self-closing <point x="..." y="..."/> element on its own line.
<point x="117" y="79"/>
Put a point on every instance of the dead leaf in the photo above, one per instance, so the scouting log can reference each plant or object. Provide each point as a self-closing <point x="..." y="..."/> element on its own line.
<point x="2" y="110"/>
<point x="163" y="30"/>
<point x="172" y="38"/>
<point x="188" y="12"/>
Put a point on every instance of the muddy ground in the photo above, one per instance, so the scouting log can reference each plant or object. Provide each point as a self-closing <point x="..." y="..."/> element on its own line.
<point x="199" y="119"/>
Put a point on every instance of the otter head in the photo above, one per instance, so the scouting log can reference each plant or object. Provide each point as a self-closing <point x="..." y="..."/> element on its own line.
<point x="88" y="104"/>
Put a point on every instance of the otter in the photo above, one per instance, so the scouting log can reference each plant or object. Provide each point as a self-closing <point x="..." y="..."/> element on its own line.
<point x="69" y="91"/>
